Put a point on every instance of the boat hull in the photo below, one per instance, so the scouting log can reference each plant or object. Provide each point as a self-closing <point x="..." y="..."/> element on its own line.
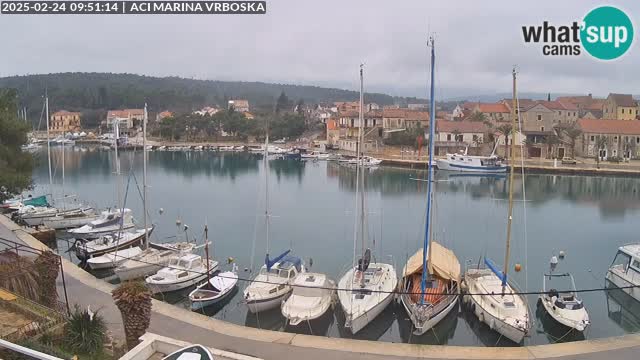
<point x="83" y="254"/>
<point x="94" y="234"/>
<point x="256" y="306"/>
<point x="358" y="323"/>
<point x="623" y="284"/>
<point x="512" y="333"/>
<point x="138" y="272"/>
<point x="422" y="327"/>
<point x="450" y="166"/>
<point x="68" y="222"/>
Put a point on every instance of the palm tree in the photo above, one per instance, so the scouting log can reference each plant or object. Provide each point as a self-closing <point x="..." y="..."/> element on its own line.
<point x="572" y="133"/>
<point x="601" y="143"/>
<point x="47" y="265"/>
<point x="133" y="299"/>
<point x="505" y="129"/>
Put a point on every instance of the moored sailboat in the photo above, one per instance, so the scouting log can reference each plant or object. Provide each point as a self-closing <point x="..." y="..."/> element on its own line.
<point x="431" y="277"/>
<point x="491" y="297"/>
<point x="367" y="287"/>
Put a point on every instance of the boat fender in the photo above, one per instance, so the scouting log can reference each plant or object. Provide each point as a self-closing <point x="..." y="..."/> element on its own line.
<point x="491" y="324"/>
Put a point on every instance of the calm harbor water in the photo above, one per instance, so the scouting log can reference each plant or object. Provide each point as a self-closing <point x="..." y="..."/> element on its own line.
<point x="313" y="204"/>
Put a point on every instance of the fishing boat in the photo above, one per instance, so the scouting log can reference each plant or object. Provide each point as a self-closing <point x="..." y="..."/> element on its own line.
<point x="191" y="352"/>
<point x="112" y="259"/>
<point x="216" y="289"/>
<point x="491" y="297"/>
<point x="365" y="161"/>
<point x="148" y="262"/>
<point x="273" y="283"/>
<point x="109" y="243"/>
<point x="313" y="294"/>
<point x="624" y="272"/>
<point x="367" y="287"/>
<point x="431" y="277"/>
<point x="564" y="306"/>
<point x="110" y="221"/>
<point x="315" y="155"/>
<point x="182" y="272"/>
<point x="471" y="163"/>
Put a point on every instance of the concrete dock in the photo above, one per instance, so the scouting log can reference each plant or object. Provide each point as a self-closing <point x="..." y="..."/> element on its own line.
<point x="181" y="324"/>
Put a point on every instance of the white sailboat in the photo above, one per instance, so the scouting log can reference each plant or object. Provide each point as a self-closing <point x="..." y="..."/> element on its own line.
<point x="431" y="276"/>
<point x="272" y="285"/>
<point x="491" y="297"/>
<point x="369" y="285"/>
<point x="112" y="259"/>
<point x="154" y="256"/>
<point x="109" y="221"/>
<point x="110" y="243"/>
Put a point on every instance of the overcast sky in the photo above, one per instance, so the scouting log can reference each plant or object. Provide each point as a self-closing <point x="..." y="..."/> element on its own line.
<point x="321" y="42"/>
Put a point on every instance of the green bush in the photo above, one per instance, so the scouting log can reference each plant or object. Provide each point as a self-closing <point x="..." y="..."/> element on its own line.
<point x="85" y="333"/>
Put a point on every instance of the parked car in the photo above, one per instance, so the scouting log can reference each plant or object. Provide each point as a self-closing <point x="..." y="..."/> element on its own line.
<point x="568" y="161"/>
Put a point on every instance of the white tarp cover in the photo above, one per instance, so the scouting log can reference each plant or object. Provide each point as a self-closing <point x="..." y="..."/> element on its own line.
<point x="444" y="263"/>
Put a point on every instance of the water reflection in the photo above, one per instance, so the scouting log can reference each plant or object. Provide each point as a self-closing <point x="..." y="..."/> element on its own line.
<point x="374" y="330"/>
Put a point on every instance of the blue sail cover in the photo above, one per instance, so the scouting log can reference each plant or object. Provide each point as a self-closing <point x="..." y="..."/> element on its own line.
<point x="37" y="201"/>
<point x="270" y="263"/>
<point x="495" y="270"/>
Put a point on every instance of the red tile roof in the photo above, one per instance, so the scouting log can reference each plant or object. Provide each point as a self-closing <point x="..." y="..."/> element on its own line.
<point x="602" y="126"/>
<point x="461" y="126"/>
<point x="125" y="113"/>
<point x="493" y="108"/>
<point x="65" y="113"/>
<point x="596" y="104"/>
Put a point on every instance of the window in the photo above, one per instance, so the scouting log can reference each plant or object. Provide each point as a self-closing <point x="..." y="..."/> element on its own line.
<point x="539" y="117"/>
<point x="475" y="137"/>
<point x="638" y="140"/>
<point x="559" y="112"/>
<point x="541" y="128"/>
<point x="622" y="111"/>
<point x="636" y="264"/>
<point x="593" y="138"/>
<point x="448" y="137"/>
<point x="615" y="139"/>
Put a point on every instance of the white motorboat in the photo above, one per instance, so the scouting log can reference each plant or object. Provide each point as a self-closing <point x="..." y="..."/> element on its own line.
<point x="162" y="148"/>
<point x="109" y="221"/>
<point x="191" y="352"/>
<point x="181" y="273"/>
<point x="624" y="272"/>
<point x="36" y="215"/>
<point x="273" y="283"/>
<point x="214" y="290"/>
<point x="68" y="220"/>
<point x="226" y="148"/>
<point x="497" y="304"/>
<point x="491" y="297"/>
<point x="148" y="262"/>
<point x="470" y="163"/>
<point x="112" y="259"/>
<point x="365" y="161"/>
<point x="315" y="155"/>
<point x="182" y="246"/>
<point x="110" y="243"/>
<point x="313" y="294"/>
<point x="563" y="306"/>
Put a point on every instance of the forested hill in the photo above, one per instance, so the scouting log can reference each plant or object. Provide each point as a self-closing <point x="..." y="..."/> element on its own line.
<point x="94" y="93"/>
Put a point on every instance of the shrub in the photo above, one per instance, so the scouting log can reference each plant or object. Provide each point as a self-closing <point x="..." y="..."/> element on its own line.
<point x="84" y="332"/>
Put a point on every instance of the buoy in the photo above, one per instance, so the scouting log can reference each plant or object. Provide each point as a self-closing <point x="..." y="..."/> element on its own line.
<point x="161" y="211"/>
<point x="518" y="267"/>
<point x="178" y="222"/>
<point x="553" y="262"/>
<point x="230" y="260"/>
<point x="562" y="254"/>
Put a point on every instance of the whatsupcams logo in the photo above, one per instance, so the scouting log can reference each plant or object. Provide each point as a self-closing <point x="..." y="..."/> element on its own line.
<point x="605" y="33"/>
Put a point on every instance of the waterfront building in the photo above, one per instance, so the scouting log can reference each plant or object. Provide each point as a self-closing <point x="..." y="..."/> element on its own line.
<point x="471" y="133"/>
<point x="622" y="139"/>
<point x="63" y="122"/>
<point x="128" y="119"/>
<point x="163" y="115"/>
<point x="207" y="110"/>
<point x="620" y="107"/>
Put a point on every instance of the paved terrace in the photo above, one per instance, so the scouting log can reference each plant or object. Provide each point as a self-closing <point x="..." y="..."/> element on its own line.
<point x="168" y="320"/>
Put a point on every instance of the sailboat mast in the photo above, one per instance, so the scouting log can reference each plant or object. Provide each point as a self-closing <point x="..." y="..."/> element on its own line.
<point x="266" y="186"/>
<point x="426" y="250"/>
<point x="116" y="136"/>
<point x="360" y="148"/>
<point x="144" y="179"/>
<point x="514" y="111"/>
<point x="64" y="197"/>
<point x="206" y="251"/>
<point x="46" y="102"/>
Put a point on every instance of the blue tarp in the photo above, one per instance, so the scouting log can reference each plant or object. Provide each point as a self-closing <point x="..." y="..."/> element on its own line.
<point x="495" y="270"/>
<point x="37" y="201"/>
<point x="270" y="263"/>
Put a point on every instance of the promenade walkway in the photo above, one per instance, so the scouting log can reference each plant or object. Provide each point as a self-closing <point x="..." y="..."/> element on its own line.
<point x="168" y="320"/>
